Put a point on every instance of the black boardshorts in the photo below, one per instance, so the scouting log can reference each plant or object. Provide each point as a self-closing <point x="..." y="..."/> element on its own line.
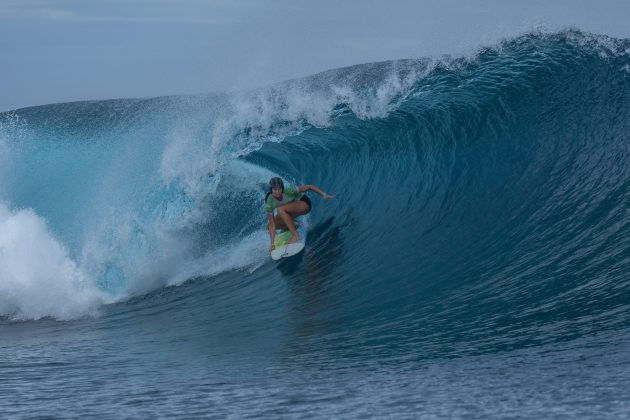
<point x="307" y="201"/>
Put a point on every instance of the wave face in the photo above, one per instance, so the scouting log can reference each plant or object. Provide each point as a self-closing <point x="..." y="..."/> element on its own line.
<point x="480" y="207"/>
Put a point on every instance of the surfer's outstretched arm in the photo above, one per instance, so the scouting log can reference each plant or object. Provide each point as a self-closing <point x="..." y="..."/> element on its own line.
<point x="272" y="230"/>
<point x="304" y="188"/>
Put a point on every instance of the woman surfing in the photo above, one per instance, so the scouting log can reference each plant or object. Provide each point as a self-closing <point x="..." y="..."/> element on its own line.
<point x="289" y="203"/>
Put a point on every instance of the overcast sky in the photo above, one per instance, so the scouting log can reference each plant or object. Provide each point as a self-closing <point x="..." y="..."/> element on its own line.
<point x="66" y="50"/>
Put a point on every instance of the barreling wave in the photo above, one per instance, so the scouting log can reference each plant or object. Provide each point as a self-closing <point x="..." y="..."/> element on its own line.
<point x="475" y="196"/>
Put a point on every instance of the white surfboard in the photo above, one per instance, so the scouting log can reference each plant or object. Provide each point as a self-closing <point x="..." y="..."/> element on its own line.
<point x="283" y="249"/>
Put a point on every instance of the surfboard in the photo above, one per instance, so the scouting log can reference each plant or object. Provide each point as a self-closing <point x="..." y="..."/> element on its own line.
<point x="284" y="249"/>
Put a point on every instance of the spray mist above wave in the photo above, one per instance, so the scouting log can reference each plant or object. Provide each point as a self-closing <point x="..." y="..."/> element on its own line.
<point x="249" y="119"/>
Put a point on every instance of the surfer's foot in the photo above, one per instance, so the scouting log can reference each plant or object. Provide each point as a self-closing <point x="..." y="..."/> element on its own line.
<point x="293" y="239"/>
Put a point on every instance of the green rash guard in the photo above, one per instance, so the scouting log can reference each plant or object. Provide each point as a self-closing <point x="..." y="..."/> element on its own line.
<point x="291" y="193"/>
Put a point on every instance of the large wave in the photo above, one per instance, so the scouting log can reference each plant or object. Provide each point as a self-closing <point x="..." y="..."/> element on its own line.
<point x="492" y="185"/>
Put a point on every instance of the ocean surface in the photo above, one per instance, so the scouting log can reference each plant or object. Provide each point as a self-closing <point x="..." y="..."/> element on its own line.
<point x="474" y="263"/>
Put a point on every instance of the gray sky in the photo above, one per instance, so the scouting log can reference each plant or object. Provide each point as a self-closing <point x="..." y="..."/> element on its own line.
<point x="65" y="50"/>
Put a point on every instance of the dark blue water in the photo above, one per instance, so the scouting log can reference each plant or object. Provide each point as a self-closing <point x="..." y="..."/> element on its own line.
<point x="474" y="262"/>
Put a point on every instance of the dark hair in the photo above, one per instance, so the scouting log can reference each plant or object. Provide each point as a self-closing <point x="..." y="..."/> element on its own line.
<point x="276" y="182"/>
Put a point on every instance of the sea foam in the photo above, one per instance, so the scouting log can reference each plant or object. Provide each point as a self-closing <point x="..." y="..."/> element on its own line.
<point x="37" y="276"/>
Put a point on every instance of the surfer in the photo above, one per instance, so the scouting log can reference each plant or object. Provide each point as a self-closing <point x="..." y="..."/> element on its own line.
<point x="289" y="202"/>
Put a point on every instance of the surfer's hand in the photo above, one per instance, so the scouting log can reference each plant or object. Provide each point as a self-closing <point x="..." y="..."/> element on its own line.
<point x="272" y="247"/>
<point x="328" y="197"/>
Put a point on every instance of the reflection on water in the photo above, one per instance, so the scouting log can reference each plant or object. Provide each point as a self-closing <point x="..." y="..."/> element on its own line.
<point x="311" y="297"/>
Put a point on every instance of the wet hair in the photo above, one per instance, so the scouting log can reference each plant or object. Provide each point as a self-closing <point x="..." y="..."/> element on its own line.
<point x="276" y="182"/>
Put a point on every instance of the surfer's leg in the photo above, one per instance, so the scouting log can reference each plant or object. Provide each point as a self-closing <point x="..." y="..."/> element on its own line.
<point x="281" y="225"/>
<point x="279" y="222"/>
<point x="288" y="212"/>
